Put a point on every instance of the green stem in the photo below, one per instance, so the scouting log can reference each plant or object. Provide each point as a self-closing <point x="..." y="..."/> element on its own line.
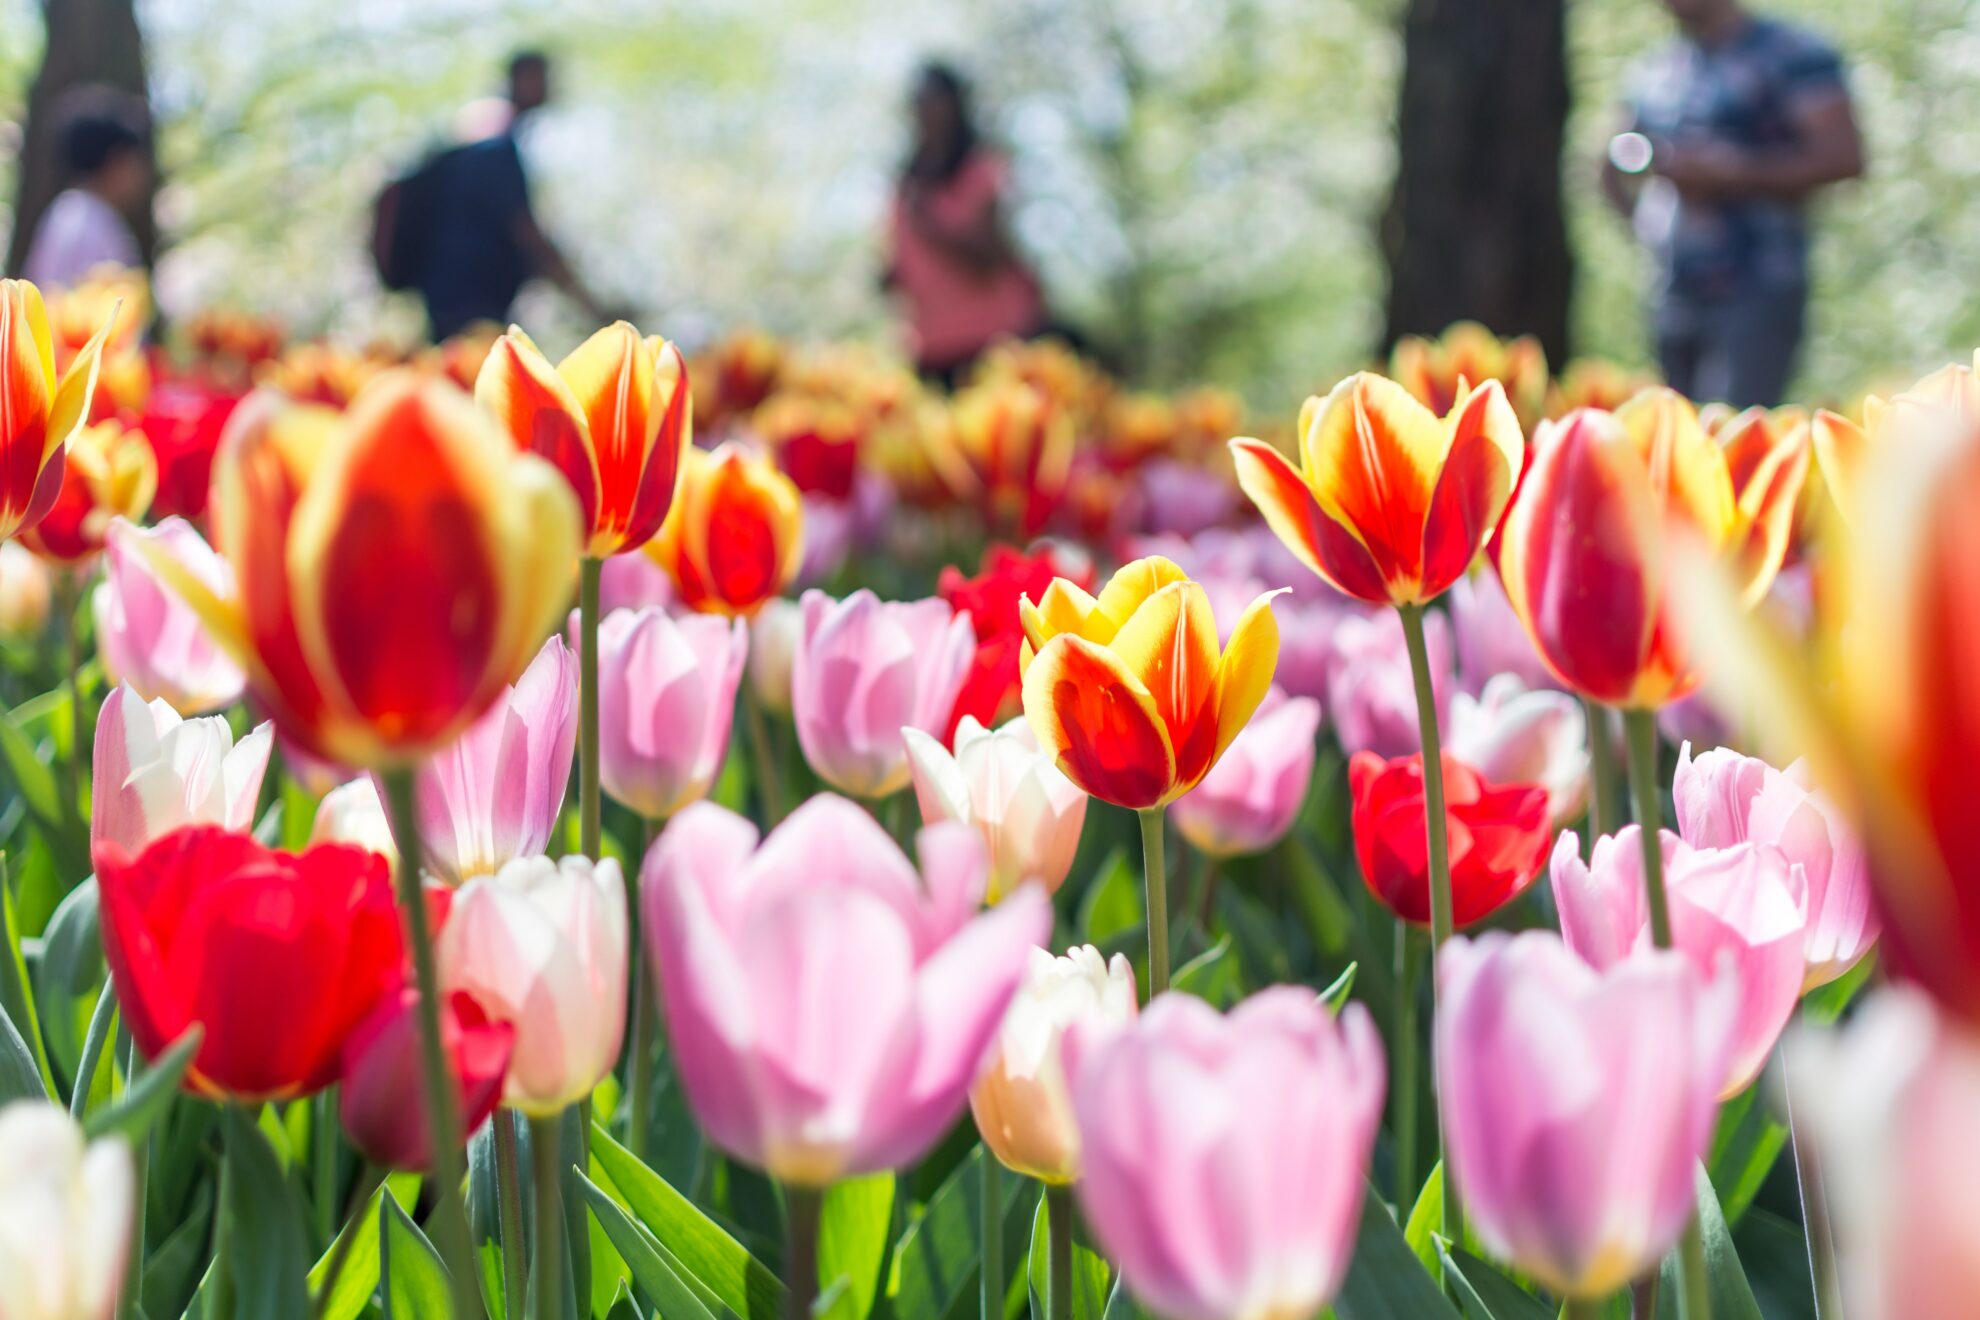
<point x="221" y="1272"/>
<point x="68" y="594"/>
<point x="1581" y="1308"/>
<point x="323" y="1163"/>
<point x="639" y="1065"/>
<point x="763" y="761"/>
<point x="991" y="1276"/>
<point x="1601" y="771"/>
<point x="1643" y="1295"/>
<point x="1640" y="727"/>
<point x="1155" y="890"/>
<point x="1409" y="971"/>
<point x="546" y="1293"/>
<point x="1694" y="1293"/>
<point x="508" y="1201"/>
<point x="443" y="1120"/>
<point x="1206" y="892"/>
<point x="127" y="1300"/>
<point x="1814" y="1210"/>
<point x="590" y="573"/>
<point x="802" y="1208"/>
<point x="1059" y="1253"/>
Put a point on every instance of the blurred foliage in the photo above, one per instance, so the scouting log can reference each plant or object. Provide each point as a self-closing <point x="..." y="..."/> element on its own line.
<point x="1198" y="182"/>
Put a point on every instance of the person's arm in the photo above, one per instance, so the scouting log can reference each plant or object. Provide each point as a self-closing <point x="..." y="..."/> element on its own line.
<point x="547" y="260"/>
<point x="979" y="243"/>
<point x="1827" y="148"/>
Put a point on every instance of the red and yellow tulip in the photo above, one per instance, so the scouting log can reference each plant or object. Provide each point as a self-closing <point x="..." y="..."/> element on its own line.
<point x="1390" y="503"/>
<point x="1007" y="446"/>
<point x="39" y="412"/>
<point x="120" y="299"/>
<point x="614" y="417"/>
<point x="108" y="472"/>
<point x="736" y="536"/>
<point x="1129" y="692"/>
<point x="1596" y="383"/>
<point x="1439" y="371"/>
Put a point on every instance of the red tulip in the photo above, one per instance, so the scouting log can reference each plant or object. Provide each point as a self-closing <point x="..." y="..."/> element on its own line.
<point x="277" y="955"/>
<point x="990" y="693"/>
<point x="382" y="1071"/>
<point x="183" y="421"/>
<point x="1498" y="836"/>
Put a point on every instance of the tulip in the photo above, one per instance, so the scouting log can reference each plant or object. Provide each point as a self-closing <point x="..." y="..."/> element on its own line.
<point x="1224" y="1157"/>
<point x="614" y="418"/>
<point x="1490" y="638"/>
<point x="667" y="697"/>
<point x="1185" y="498"/>
<point x="1498" y="836"/>
<point x="1371" y="693"/>
<point x="1249" y="800"/>
<point x="629" y="582"/>
<point x="1028" y="813"/>
<point x="827" y="1006"/>
<point x="816" y="441"/>
<point x="1007" y="447"/>
<point x="108" y="473"/>
<point x="738" y="372"/>
<point x="1438" y="371"/>
<point x="1130" y="693"/>
<point x="26" y="592"/>
<point x="41" y="413"/>
<point x="277" y="955"/>
<point x="737" y="534"/>
<point x="495" y="794"/>
<point x="152" y="772"/>
<point x="407" y="518"/>
<point x="1021" y="1102"/>
<point x="1596" y="383"/>
<point x="147" y="635"/>
<point x="381" y="1067"/>
<point x="1390" y="504"/>
<point x="864" y="670"/>
<point x="66" y="1212"/>
<point x="1580" y="1101"/>
<point x="182" y="423"/>
<point x="773" y="641"/>
<point x="1510" y="735"/>
<point x="1733" y="911"/>
<point x="541" y="945"/>
<point x="992" y="693"/>
<point x="352" y="813"/>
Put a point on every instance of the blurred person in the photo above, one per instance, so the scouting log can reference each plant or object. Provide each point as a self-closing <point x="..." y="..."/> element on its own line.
<point x="1733" y="127"/>
<point x="106" y="159"/>
<point x="961" y="283"/>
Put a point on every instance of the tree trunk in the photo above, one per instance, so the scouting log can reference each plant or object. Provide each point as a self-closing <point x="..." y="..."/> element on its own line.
<point x="89" y="42"/>
<point x="1474" y="228"/>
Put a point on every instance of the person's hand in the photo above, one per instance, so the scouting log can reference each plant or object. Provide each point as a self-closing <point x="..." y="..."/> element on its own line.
<point x="1702" y="169"/>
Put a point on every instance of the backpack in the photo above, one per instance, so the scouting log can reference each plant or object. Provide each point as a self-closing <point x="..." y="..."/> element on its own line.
<point x="402" y="223"/>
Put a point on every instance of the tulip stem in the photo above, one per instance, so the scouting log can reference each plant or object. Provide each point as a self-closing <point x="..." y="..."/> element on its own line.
<point x="443" y="1120"/>
<point x="763" y="764"/>
<point x="1409" y="970"/>
<point x="1059" y="1252"/>
<point x="546" y="1294"/>
<point x="323" y="1163"/>
<point x="590" y="572"/>
<point x="127" y="1298"/>
<point x="1640" y="727"/>
<point x="1814" y="1209"/>
<point x="1581" y="1308"/>
<point x="1601" y="771"/>
<point x="1694" y="1291"/>
<point x="991" y="1275"/>
<point x="802" y="1209"/>
<point x="1155" y="890"/>
<point x="639" y="1064"/>
<point x="68" y="595"/>
<point x="508" y="1199"/>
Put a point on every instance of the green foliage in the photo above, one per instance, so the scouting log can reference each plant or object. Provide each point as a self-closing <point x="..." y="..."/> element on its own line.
<point x="411" y="1276"/>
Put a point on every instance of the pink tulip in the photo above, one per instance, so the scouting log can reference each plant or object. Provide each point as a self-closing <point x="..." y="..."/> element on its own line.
<point x="1251" y="797"/>
<point x="145" y="632"/>
<point x="1514" y="736"/>
<point x="1306" y="640"/>
<point x="1490" y="638"/>
<point x="631" y="582"/>
<point x="1734" y="912"/>
<point x="1027" y="812"/>
<point x="828" y="539"/>
<point x="1225" y="1156"/>
<point x="666" y="699"/>
<point x="1184" y="498"/>
<point x="827" y="1006"/>
<point x="1371" y="696"/>
<point x="1723" y="798"/>
<point x="152" y="772"/>
<point x="495" y="794"/>
<point x="863" y="671"/>
<point x="1578" y="1102"/>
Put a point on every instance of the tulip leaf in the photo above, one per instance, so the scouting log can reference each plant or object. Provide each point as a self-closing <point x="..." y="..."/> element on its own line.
<point x="701" y="1247"/>
<point x="410" y="1274"/>
<point x="1112" y="904"/>
<point x="1212" y="976"/>
<point x="1488" y="1294"/>
<point x="1386" y="1281"/>
<point x="1092" y="1277"/>
<point x="1745" y="1146"/>
<point x="357" y="1280"/>
<point x="853" y="1228"/>
<point x="623" y="1306"/>
<point x="936" y="1259"/>
<point x="1732" y="1296"/>
<point x="643" y="1256"/>
<point x="31" y="775"/>
<point x="268" y="1247"/>
<point x="1335" y="996"/>
<point x="100" y="1018"/>
<point x="19" y="1078"/>
<point x="16" y="991"/>
<point x="175" y="1266"/>
<point x="70" y="970"/>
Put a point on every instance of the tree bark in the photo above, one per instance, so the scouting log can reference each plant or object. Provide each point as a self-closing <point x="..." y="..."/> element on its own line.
<point x="1474" y="227"/>
<point x="89" y="42"/>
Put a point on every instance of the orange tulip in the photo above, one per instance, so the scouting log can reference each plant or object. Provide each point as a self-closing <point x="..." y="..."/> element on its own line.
<point x="397" y="565"/>
<point x="1390" y="504"/>
<point x="1596" y="383"/>
<point x="614" y="417"/>
<point x="317" y="373"/>
<point x="1130" y="693"/>
<point x="736" y="535"/>
<point x="109" y="472"/>
<point x="1438" y="371"/>
<point x="1948" y="396"/>
<point x="38" y="412"/>
<point x="1007" y="447"/>
<point x="1589" y="544"/>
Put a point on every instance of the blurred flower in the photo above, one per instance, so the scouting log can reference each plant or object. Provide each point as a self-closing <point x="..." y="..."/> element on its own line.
<point x="1545" y="1063"/>
<point x="1596" y="383"/>
<point x="816" y="441"/>
<point x="147" y="635"/>
<point x="827" y="1006"/>
<point x="773" y="641"/>
<point x="231" y="341"/>
<point x="541" y="945"/>
<point x="313" y="372"/>
<point x="1021" y="1103"/>
<point x="735" y="374"/>
<point x="736" y="536"/>
<point x="828" y="540"/>
<point x="1006" y="447"/>
<point x="1734" y="912"/>
<point x="182" y="422"/>
<point x="992" y="694"/>
<point x="1512" y="736"/>
<point x="631" y="582"/>
<point x="117" y="301"/>
<point x="1185" y="498"/>
<point x="277" y="955"/>
<point x="26" y="592"/>
<point x="1490" y="638"/>
<point x="1224" y="1157"/>
<point x="381" y="1069"/>
<point x="1130" y="692"/>
<point x="1390" y="504"/>
<point x="864" y="670"/>
<point x="461" y="356"/>
<point x="1028" y="813"/>
<point x="1498" y="836"/>
<point x="1371" y="694"/>
<point x="152" y="772"/>
<point x="1466" y="355"/>
<point x="666" y="699"/>
<point x="351" y="813"/>
<point x="108" y="473"/>
<point x="66" y="1216"/>
<point x="1251" y="797"/>
<point x="613" y="418"/>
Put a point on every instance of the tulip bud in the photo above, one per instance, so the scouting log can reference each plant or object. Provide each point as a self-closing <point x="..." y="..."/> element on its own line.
<point x="773" y="643"/>
<point x="152" y="772"/>
<point x="1250" y="798"/>
<point x="351" y="813"/>
<point x="66" y="1213"/>
<point x="146" y="633"/>
<point x="26" y="592"/>
<point x="40" y="415"/>
<point x="666" y="701"/>
<point x="382" y="1068"/>
<point x="1498" y="836"/>
<point x="1028" y="814"/>
<point x="1512" y="736"/>
<point x="737" y="535"/>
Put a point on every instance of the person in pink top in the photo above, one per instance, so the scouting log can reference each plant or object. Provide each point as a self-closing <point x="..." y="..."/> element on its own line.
<point x="961" y="283"/>
<point x="106" y="154"/>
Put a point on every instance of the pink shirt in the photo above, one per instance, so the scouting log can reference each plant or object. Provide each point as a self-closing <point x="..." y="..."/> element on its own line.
<point x="953" y="310"/>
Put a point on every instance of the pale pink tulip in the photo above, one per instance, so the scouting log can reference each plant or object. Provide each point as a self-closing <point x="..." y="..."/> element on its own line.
<point x="1735" y="912"/>
<point x="1224" y="1157"/>
<point x="1251" y="797"/>
<point x="827" y="1006"/>
<point x="1577" y="1102"/>
<point x="666" y="699"/>
<point x="152" y="772"/>
<point x="1021" y="1103"/>
<point x="1723" y="798"/>
<point x="66" y="1212"/>
<point x="1511" y="735"/>
<point x="773" y="641"/>
<point x="1184" y="499"/>
<point x="866" y="669"/>
<point x="541" y="945"/>
<point x="1371" y="697"/>
<point x="828" y="539"/>
<point x="26" y="592"/>
<point x="1490" y="638"/>
<point x="351" y="813"/>
<point x="631" y="582"/>
<point x="495" y="793"/>
<point x="1012" y="794"/>
<point x="147" y="635"/>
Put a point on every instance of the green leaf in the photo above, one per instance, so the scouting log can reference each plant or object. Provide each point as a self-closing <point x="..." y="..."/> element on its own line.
<point x="1747" y="1142"/>
<point x="16" y="993"/>
<point x="1092" y="1277"/>
<point x="1426" y="1221"/>
<point x="19" y="1078"/>
<point x="1113" y="900"/>
<point x="1823" y="1005"/>
<point x="410" y="1274"/>
<point x="359" y="1278"/>
<point x="32" y="777"/>
<point x="270" y="1251"/>
<point x="1488" y="1294"/>
<point x="650" y="1271"/>
<point x="935" y="1261"/>
<point x="853" y="1228"/>
<point x="70" y="970"/>
<point x="1335" y="996"/>
<point x="623" y="1306"/>
<point x="1386" y="1281"/>
<point x="704" y="1249"/>
<point x="92" y="1049"/>
<point x="1213" y="975"/>
<point x="1732" y="1296"/>
<point x="174" y="1267"/>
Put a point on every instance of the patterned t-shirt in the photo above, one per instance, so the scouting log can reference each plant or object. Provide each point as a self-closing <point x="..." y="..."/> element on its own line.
<point x="1744" y="92"/>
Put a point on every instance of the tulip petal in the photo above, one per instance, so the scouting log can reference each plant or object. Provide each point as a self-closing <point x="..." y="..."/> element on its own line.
<point x="1170" y="644"/>
<point x="1099" y="722"/>
<point x="1132" y="584"/>
<point x="1244" y="671"/>
<point x="1478" y="476"/>
<point x="611" y="376"/>
<point x="1371" y="455"/>
<point x="660" y="478"/>
<point x="535" y="406"/>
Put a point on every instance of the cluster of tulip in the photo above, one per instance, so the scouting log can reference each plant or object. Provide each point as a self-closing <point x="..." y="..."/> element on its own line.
<point x="341" y="976"/>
